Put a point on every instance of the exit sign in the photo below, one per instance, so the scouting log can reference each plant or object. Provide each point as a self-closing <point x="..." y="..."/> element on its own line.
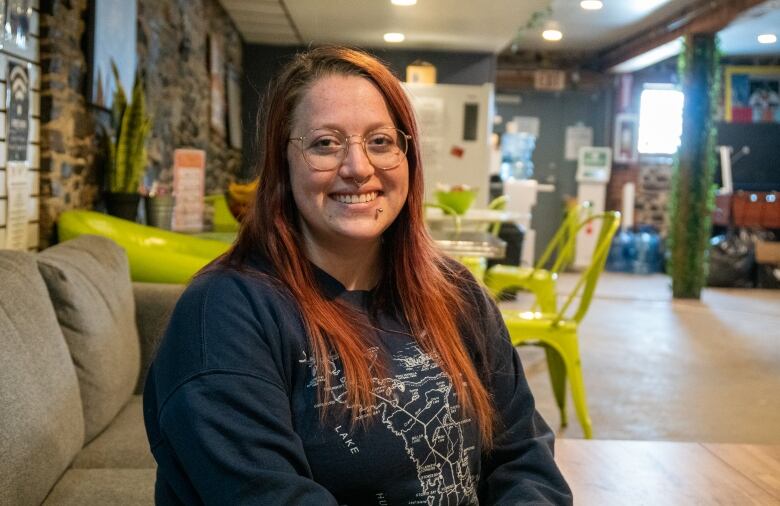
<point x="550" y="80"/>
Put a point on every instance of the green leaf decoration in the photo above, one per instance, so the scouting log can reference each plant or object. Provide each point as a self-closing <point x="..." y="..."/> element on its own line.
<point x="132" y="124"/>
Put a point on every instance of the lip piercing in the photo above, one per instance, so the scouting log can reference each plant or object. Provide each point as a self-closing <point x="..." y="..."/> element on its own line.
<point x="378" y="211"/>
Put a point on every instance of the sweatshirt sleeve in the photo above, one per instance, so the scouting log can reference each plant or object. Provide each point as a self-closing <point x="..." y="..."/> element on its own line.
<point x="232" y="434"/>
<point x="219" y="418"/>
<point x="520" y="468"/>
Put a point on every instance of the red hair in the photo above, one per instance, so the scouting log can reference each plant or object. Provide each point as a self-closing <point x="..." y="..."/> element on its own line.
<point x="414" y="273"/>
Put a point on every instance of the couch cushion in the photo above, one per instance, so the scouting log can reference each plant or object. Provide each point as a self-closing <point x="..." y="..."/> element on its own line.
<point x="122" y="445"/>
<point x="89" y="283"/>
<point x="41" y="421"/>
<point x="99" y="487"/>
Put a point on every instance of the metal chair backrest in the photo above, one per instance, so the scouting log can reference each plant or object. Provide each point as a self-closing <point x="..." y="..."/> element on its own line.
<point x="562" y="243"/>
<point x="497" y="204"/>
<point x="586" y="284"/>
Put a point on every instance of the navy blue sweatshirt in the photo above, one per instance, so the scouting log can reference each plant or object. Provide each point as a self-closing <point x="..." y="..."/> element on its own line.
<point x="233" y="417"/>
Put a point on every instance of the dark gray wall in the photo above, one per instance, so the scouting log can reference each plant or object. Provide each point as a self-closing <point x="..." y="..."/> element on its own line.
<point x="262" y="62"/>
<point x="556" y="111"/>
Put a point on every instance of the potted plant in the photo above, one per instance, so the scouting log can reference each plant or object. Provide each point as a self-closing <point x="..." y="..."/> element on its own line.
<point x="126" y="149"/>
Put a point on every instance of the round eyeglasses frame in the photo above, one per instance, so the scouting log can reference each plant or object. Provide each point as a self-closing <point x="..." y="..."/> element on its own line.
<point x="345" y="148"/>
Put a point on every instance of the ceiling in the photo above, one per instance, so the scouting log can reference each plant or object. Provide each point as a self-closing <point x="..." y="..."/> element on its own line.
<point x="480" y="26"/>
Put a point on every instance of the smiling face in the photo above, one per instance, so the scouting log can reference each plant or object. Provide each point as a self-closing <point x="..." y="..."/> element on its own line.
<point x="342" y="207"/>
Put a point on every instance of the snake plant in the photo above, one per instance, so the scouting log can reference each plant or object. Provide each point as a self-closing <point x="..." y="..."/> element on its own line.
<point x="127" y="149"/>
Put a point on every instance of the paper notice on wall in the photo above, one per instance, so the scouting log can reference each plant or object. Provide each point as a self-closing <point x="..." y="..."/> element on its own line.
<point x="432" y="149"/>
<point x="18" y="193"/>
<point x="189" y="168"/>
<point x="18" y="134"/>
<point x="527" y="124"/>
<point x="430" y="115"/>
<point x="577" y="136"/>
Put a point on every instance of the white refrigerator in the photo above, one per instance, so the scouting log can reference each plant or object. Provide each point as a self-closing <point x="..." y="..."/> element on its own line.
<point x="455" y="124"/>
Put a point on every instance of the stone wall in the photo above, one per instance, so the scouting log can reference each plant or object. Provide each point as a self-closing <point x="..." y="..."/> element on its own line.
<point x="68" y="177"/>
<point x="652" y="196"/>
<point x="653" y="180"/>
<point x="173" y="57"/>
<point x="173" y="41"/>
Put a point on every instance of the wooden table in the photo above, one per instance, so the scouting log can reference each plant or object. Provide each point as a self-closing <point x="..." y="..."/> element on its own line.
<point x="669" y="473"/>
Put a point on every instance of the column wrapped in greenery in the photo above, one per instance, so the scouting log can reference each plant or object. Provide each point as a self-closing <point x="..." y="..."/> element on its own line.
<point x="692" y="184"/>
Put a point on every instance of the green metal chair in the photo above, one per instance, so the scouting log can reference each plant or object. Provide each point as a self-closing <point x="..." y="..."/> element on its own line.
<point x="537" y="279"/>
<point x="557" y="331"/>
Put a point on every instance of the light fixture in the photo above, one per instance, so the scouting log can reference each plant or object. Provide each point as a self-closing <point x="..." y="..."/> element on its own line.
<point x="767" y="38"/>
<point x="591" y="5"/>
<point x="403" y="2"/>
<point x="552" y="31"/>
<point x="394" y="37"/>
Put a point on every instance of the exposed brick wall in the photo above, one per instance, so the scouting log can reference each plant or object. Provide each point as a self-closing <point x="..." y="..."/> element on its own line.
<point x="172" y="54"/>
<point x="68" y="176"/>
<point x="652" y="196"/>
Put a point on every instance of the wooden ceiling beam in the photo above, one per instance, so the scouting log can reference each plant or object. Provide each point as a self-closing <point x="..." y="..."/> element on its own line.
<point x="706" y="16"/>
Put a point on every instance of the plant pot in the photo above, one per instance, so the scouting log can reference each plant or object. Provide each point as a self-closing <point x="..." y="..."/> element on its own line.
<point x="159" y="211"/>
<point x="123" y="205"/>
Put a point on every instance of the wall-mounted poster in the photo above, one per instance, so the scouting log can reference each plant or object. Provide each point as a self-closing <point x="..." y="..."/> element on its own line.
<point x="2" y="17"/>
<point x="18" y="134"/>
<point x="625" y="138"/>
<point x="752" y="94"/>
<point x="16" y="27"/>
<point x="217" y="84"/>
<point x="114" y="38"/>
<point x="189" y="168"/>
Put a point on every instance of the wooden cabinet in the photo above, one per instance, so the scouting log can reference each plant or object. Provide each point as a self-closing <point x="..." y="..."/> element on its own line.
<point x="748" y="209"/>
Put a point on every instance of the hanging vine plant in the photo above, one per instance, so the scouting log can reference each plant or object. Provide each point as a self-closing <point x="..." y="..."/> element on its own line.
<point x="693" y="190"/>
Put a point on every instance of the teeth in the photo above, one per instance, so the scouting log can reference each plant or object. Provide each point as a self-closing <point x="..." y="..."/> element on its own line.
<point x="355" y="199"/>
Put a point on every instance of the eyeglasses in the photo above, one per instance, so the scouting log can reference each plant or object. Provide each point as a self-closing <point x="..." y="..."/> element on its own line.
<point x="325" y="149"/>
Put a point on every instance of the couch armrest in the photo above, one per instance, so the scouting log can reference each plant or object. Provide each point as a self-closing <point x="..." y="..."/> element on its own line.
<point x="154" y="303"/>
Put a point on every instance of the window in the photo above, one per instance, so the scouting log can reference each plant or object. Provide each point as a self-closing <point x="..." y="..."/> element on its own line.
<point x="660" y="120"/>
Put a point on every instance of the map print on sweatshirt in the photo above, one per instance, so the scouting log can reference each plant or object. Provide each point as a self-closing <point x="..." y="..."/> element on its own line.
<point x="418" y="405"/>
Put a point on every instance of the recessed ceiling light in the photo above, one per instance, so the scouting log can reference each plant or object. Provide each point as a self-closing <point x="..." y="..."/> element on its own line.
<point x="767" y="38"/>
<point x="591" y="5"/>
<point x="553" y="35"/>
<point x="403" y="2"/>
<point x="394" y="37"/>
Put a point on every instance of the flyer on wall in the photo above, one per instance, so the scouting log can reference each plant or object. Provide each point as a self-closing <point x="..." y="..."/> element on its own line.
<point x="18" y="132"/>
<point x="189" y="169"/>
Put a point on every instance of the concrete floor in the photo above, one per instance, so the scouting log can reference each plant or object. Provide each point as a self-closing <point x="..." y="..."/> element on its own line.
<point x="662" y="369"/>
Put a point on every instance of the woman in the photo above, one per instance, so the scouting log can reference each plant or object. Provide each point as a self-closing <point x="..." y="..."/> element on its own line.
<point x="313" y="364"/>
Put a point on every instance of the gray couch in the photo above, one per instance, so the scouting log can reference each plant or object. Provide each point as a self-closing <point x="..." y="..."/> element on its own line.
<point x="76" y="338"/>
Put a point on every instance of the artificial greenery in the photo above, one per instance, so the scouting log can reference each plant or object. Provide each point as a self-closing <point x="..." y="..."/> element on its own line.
<point x="127" y="147"/>
<point x="692" y="182"/>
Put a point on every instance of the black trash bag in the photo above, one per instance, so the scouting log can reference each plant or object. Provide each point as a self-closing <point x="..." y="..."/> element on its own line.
<point x="732" y="262"/>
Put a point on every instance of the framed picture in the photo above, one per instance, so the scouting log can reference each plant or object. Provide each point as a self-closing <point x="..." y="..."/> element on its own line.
<point x="234" y="108"/>
<point x="113" y="39"/>
<point x="625" y="138"/>
<point x="752" y="94"/>
<point x="16" y="27"/>
<point x="217" y="86"/>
